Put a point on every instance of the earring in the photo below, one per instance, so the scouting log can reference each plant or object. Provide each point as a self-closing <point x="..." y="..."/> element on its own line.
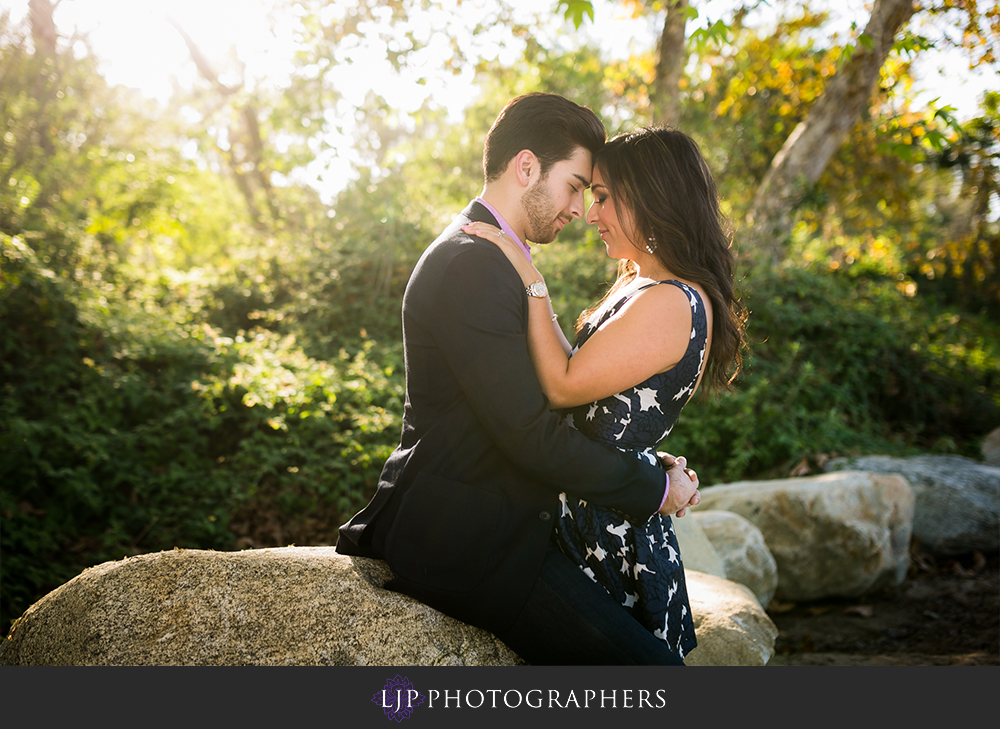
<point x="650" y="244"/>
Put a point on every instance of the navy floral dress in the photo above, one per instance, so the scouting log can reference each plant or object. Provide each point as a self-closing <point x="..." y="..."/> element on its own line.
<point x="638" y="564"/>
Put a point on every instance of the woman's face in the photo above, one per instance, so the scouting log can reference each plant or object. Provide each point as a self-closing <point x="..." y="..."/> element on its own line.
<point x="613" y="221"/>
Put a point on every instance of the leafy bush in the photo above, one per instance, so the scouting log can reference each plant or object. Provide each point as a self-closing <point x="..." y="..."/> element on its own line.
<point x="103" y="450"/>
<point x="126" y="427"/>
<point x="844" y="364"/>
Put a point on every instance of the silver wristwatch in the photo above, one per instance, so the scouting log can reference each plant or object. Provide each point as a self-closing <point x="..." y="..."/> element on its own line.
<point x="538" y="289"/>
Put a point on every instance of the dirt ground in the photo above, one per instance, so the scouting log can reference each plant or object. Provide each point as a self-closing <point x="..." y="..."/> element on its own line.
<point x="945" y="613"/>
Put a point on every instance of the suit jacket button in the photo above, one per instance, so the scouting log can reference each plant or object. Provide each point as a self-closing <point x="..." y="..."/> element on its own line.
<point x="545" y="516"/>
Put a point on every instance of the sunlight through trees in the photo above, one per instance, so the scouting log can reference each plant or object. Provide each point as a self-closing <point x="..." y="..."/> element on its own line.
<point x="200" y="286"/>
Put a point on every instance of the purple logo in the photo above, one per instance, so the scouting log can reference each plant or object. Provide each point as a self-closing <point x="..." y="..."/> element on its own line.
<point x="398" y="698"/>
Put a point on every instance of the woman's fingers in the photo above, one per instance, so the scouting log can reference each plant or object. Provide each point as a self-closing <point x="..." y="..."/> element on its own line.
<point x="484" y="230"/>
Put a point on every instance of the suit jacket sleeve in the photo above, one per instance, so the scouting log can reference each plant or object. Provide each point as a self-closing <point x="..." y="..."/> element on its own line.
<point x="482" y="319"/>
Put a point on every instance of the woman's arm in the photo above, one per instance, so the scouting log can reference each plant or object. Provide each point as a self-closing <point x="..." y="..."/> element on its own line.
<point x="649" y="335"/>
<point x="541" y="319"/>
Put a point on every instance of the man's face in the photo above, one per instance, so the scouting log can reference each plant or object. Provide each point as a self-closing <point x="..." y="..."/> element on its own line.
<point x="557" y="198"/>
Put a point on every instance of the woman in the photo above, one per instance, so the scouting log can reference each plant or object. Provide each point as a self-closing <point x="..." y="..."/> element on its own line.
<point x="669" y="320"/>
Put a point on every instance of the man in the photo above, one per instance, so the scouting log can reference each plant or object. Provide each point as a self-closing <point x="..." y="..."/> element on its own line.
<point x="466" y="504"/>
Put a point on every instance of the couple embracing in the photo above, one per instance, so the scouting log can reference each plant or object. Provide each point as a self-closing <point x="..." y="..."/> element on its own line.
<point x="526" y="496"/>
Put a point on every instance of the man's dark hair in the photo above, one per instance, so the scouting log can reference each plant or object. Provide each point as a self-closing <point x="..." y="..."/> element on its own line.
<point x="549" y="125"/>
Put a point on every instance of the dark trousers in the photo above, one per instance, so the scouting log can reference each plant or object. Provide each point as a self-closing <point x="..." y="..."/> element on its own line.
<point x="571" y="620"/>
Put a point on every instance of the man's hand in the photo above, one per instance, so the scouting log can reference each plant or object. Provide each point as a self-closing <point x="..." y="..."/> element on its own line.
<point x="683" y="491"/>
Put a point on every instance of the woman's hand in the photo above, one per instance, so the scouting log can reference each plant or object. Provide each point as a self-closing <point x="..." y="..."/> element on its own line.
<point x="683" y="491"/>
<point x="515" y="254"/>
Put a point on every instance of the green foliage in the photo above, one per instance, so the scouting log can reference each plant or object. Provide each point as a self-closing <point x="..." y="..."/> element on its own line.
<point x="195" y="351"/>
<point x="575" y="10"/>
<point x="962" y="266"/>
<point x="85" y="165"/>
<point x="579" y="74"/>
<point x="844" y="362"/>
<point x="748" y="96"/>
<point x="125" y="430"/>
<point x="104" y="451"/>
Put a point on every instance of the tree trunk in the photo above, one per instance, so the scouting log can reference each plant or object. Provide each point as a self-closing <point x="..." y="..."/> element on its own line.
<point x="43" y="28"/>
<point x="812" y="144"/>
<point x="672" y="57"/>
<point x="45" y="39"/>
<point x="245" y="155"/>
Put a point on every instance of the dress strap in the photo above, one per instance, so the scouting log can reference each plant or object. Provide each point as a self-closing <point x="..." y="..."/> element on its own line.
<point x="691" y="291"/>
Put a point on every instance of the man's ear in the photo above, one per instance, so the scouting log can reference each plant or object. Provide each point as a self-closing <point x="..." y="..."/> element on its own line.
<point x="526" y="167"/>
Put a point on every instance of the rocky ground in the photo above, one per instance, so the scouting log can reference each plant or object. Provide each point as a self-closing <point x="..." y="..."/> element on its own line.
<point x="946" y="613"/>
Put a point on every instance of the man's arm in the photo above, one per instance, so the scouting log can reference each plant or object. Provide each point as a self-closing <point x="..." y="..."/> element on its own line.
<point x="480" y="333"/>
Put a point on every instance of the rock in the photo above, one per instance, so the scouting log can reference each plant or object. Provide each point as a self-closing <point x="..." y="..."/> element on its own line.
<point x="302" y="606"/>
<point x="991" y="448"/>
<point x="697" y="552"/>
<point x="835" y="535"/>
<point x="743" y="552"/>
<point x="730" y="624"/>
<point x="732" y="627"/>
<point x="957" y="507"/>
<point x="298" y="606"/>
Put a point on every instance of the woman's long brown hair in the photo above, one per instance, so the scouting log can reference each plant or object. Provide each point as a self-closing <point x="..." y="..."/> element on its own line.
<point x="660" y="176"/>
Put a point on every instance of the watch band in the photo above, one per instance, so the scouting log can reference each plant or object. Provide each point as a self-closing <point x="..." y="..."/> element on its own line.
<point x="537" y="290"/>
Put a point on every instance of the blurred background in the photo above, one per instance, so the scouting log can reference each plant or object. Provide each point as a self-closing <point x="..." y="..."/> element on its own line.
<point x="209" y="210"/>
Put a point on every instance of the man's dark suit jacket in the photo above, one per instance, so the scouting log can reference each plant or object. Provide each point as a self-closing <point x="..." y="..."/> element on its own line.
<point x="466" y="504"/>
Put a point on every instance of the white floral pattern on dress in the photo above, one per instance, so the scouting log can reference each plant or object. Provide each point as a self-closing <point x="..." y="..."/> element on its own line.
<point x="639" y="565"/>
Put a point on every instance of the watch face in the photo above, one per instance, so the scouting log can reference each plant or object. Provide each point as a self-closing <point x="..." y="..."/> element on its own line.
<point x="538" y="289"/>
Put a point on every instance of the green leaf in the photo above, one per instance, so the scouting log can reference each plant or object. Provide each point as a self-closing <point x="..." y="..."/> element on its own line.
<point x="848" y="52"/>
<point x="935" y="139"/>
<point x="714" y="34"/>
<point x="576" y="9"/>
<point x="945" y="114"/>
<point x="912" y="43"/>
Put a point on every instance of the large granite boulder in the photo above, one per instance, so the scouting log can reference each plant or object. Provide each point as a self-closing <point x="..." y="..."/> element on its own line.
<point x="698" y="554"/>
<point x="731" y="626"/>
<point x="296" y="606"/>
<point x="743" y="551"/>
<point x="835" y="535"/>
<point x="957" y="508"/>
<point x="304" y="606"/>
